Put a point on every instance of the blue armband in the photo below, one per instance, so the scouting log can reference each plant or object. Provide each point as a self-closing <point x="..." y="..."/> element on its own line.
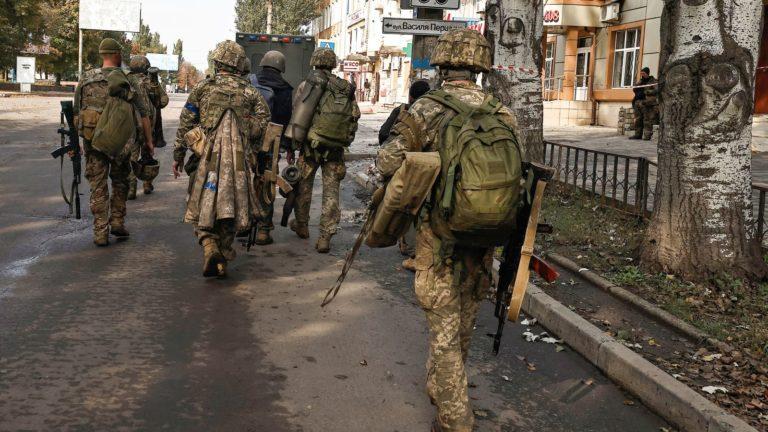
<point x="193" y="109"/>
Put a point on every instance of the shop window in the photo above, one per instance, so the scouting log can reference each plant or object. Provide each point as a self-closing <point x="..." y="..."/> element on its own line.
<point x="625" y="57"/>
<point x="549" y="66"/>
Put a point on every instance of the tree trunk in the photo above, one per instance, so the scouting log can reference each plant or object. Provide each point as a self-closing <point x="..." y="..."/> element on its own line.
<point x="514" y="32"/>
<point x="702" y="223"/>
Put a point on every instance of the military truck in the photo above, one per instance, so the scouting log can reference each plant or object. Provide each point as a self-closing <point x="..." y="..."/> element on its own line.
<point x="297" y="50"/>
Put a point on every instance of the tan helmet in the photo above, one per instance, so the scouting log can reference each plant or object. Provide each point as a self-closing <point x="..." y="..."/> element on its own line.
<point x="228" y="53"/>
<point x="139" y="64"/>
<point x="323" y="58"/>
<point x="462" y="49"/>
<point x="274" y="59"/>
<point x="145" y="169"/>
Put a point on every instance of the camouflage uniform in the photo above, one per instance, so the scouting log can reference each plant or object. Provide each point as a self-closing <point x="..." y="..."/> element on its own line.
<point x="202" y="108"/>
<point x="139" y="79"/>
<point x="449" y="284"/>
<point x="158" y="99"/>
<point x="92" y="92"/>
<point x="646" y="108"/>
<point x="331" y="162"/>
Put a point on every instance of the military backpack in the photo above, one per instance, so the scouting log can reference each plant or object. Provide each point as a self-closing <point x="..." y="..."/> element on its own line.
<point x="117" y="122"/>
<point x="480" y="187"/>
<point x="334" y="123"/>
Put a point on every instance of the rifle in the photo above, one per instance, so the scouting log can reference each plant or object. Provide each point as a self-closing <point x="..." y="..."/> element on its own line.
<point x="291" y="175"/>
<point x="518" y="258"/>
<point x="70" y="144"/>
<point x="270" y="179"/>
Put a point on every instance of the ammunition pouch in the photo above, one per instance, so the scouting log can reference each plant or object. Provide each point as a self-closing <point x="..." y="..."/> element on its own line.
<point x="405" y="193"/>
<point x="87" y="121"/>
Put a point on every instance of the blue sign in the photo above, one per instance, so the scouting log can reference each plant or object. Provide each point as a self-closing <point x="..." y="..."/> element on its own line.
<point x="326" y="44"/>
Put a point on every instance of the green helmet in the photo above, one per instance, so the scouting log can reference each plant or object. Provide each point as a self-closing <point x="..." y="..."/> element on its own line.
<point x="110" y="46"/>
<point x="273" y="59"/>
<point x="228" y="53"/>
<point x="145" y="169"/>
<point x="463" y="49"/>
<point x="323" y="58"/>
<point x="139" y="64"/>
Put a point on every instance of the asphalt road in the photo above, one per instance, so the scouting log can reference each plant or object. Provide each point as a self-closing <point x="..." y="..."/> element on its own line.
<point x="132" y="338"/>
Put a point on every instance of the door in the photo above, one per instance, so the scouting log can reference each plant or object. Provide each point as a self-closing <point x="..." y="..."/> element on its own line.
<point x="761" y="75"/>
<point x="583" y="52"/>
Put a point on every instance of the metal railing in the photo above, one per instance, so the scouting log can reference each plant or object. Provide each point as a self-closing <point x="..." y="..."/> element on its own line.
<point x="627" y="183"/>
<point x="552" y="88"/>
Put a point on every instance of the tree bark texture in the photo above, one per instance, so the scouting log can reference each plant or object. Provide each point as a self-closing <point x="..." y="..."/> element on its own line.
<point x="514" y="32"/>
<point x="703" y="223"/>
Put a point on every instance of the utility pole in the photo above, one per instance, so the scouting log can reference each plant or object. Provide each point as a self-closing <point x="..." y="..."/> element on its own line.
<point x="269" y="16"/>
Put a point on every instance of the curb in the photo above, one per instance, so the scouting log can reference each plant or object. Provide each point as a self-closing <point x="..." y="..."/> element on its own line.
<point x="671" y="399"/>
<point x="634" y="300"/>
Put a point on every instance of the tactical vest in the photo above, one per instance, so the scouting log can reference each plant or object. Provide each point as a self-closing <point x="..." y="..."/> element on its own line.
<point x="93" y="97"/>
<point x="220" y="98"/>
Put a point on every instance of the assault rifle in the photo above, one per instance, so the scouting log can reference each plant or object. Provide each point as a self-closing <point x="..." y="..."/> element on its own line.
<point x="270" y="179"/>
<point x="518" y="258"/>
<point x="70" y="145"/>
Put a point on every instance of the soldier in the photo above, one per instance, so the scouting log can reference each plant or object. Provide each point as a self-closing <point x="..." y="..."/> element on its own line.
<point x="232" y="115"/>
<point x="270" y="76"/>
<point x="91" y="97"/>
<point x="645" y="104"/>
<point x="159" y="99"/>
<point x="333" y="128"/>
<point x="451" y="278"/>
<point x="138" y="77"/>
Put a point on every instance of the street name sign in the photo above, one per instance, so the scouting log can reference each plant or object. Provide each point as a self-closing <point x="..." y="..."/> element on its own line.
<point x="436" y="4"/>
<point x="422" y="27"/>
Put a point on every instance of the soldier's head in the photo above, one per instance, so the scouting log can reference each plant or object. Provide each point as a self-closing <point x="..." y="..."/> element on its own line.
<point x="139" y="64"/>
<point x="245" y="66"/>
<point x="323" y="58"/>
<point x="645" y="72"/>
<point x="227" y="57"/>
<point x="461" y="54"/>
<point x="274" y="60"/>
<point x="154" y="73"/>
<point x="111" y="51"/>
<point x="417" y="90"/>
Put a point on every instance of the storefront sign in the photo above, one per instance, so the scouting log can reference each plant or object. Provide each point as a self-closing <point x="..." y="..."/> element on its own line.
<point x="553" y="15"/>
<point x="351" y="66"/>
<point x="355" y="17"/>
<point x="424" y="27"/>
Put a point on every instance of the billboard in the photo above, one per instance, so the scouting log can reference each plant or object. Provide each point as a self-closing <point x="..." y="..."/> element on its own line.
<point x="25" y="70"/>
<point x="115" y="15"/>
<point x="166" y="62"/>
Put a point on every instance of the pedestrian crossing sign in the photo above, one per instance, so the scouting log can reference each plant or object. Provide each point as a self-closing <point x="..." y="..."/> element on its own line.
<point x="324" y="43"/>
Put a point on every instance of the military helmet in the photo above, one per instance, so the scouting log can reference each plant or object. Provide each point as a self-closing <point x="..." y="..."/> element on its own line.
<point x="323" y="58"/>
<point x="145" y="169"/>
<point x="245" y="66"/>
<point x="274" y="59"/>
<point x="139" y="63"/>
<point x="228" y="53"/>
<point x="462" y="49"/>
<point x="110" y="46"/>
<point x="153" y="70"/>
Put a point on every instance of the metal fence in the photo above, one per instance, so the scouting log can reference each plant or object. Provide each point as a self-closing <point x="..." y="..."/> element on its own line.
<point x="627" y="183"/>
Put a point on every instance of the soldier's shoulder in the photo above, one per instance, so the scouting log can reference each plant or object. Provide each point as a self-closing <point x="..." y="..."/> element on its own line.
<point x="95" y="74"/>
<point x="426" y="106"/>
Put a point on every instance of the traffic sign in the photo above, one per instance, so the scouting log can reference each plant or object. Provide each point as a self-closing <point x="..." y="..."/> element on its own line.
<point x="325" y="43"/>
<point x="436" y="4"/>
<point x="423" y="27"/>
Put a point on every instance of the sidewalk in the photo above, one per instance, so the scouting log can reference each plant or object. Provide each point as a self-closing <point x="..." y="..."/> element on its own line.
<point x="606" y="139"/>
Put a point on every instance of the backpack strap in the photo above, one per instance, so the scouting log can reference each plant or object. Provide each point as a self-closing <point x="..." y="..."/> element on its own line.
<point x="444" y="98"/>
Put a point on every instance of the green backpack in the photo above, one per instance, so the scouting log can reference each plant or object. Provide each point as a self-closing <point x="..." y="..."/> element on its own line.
<point x="480" y="189"/>
<point x="117" y="122"/>
<point x="334" y="123"/>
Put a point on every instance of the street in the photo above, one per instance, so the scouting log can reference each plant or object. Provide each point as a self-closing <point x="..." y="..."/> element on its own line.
<point x="132" y="337"/>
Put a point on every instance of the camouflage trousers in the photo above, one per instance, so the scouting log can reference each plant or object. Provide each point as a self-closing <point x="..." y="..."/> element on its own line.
<point x="135" y="155"/>
<point x="223" y="233"/>
<point x="107" y="210"/>
<point x="264" y="223"/>
<point x="645" y="117"/>
<point x="332" y="173"/>
<point x="449" y="291"/>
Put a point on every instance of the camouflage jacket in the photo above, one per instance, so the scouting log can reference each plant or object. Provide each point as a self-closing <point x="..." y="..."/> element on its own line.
<point x="211" y="98"/>
<point x="141" y="81"/>
<point x="419" y="128"/>
<point x="92" y="92"/>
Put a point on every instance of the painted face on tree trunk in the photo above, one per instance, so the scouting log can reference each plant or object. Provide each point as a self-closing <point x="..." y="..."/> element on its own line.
<point x="508" y="25"/>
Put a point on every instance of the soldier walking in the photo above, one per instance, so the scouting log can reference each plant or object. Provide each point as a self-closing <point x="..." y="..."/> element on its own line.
<point x="451" y="276"/>
<point x="332" y="129"/>
<point x="159" y="100"/>
<point x="271" y="76"/>
<point x="138" y="77"/>
<point x="91" y="96"/>
<point x="231" y="116"/>
<point x="646" y="105"/>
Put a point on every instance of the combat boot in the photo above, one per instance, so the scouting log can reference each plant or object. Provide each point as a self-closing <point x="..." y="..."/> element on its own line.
<point x="301" y="230"/>
<point x="101" y="239"/>
<point x="221" y="269"/>
<point x="132" y="190"/>
<point x="211" y="258"/>
<point x="324" y="243"/>
<point x="148" y="187"/>
<point x="263" y="238"/>
<point x="119" y="231"/>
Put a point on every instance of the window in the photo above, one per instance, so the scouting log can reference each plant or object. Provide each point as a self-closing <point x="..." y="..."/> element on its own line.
<point x="625" y="57"/>
<point x="549" y="66"/>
